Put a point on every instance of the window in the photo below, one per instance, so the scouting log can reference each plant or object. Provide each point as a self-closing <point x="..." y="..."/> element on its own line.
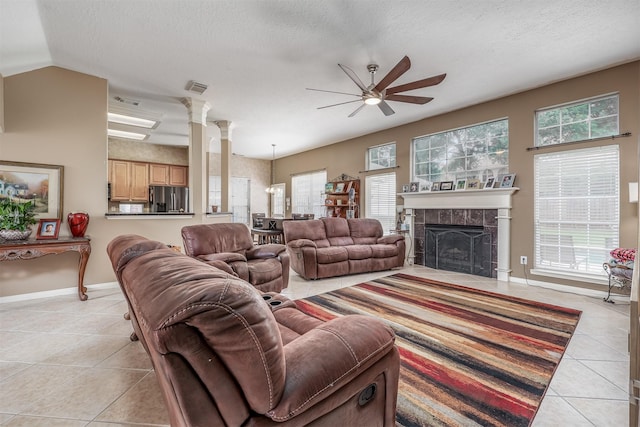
<point x="478" y="151"/>
<point x="578" y="121"/>
<point x="307" y="193"/>
<point x="576" y="209"/>
<point x="276" y="193"/>
<point x="381" y="199"/>
<point x="382" y="156"/>
<point x="240" y="197"/>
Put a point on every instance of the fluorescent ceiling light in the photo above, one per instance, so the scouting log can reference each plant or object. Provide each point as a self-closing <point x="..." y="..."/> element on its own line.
<point x="124" y="134"/>
<point x="132" y="121"/>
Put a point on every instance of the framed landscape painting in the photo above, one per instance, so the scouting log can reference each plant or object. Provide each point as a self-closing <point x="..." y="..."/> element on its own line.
<point x="39" y="183"/>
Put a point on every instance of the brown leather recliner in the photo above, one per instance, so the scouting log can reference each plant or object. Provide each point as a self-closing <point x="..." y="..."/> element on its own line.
<point x="226" y="354"/>
<point x="230" y="247"/>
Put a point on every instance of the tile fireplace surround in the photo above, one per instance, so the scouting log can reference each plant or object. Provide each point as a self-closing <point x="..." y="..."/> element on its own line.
<point x="488" y="208"/>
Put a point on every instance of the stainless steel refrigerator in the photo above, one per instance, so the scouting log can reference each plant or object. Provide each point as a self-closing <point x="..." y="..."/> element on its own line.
<point x="168" y="199"/>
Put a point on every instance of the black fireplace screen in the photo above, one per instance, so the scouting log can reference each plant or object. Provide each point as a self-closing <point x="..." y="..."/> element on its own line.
<point x="462" y="249"/>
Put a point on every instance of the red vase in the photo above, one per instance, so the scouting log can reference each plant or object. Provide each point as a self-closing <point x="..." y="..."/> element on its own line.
<point x="78" y="222"/>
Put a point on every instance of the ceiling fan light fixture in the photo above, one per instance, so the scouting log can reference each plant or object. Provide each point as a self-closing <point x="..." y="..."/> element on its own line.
<point x="372" y="100"/>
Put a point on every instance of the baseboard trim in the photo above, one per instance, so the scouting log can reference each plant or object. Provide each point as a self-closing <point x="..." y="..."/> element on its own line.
<point x="55" y="292"/>
<point x="570" y="289"/>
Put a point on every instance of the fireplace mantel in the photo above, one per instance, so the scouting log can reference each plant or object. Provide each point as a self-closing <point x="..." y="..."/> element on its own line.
<point x="495" y="198"/>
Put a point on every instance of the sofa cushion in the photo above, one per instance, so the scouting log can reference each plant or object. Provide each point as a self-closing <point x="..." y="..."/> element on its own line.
<point x="311" y="230"/>
<point x="384" y="251"/>
<point x="337" y="231"/>
<point x="264" y="270"/>
<point x="365" y="231"/>
<point x="232" y="237"/>
<point x="359" y="251"/>
<point x="331" y="255"/>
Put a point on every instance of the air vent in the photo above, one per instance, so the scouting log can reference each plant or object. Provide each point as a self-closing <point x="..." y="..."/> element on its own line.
<point x="196" y="87"/>
<point x="127" y="100"/>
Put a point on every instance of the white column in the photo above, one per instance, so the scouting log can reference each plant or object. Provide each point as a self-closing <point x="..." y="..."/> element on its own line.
<point x="198" y="145"/>
<point x="225" y="164"/>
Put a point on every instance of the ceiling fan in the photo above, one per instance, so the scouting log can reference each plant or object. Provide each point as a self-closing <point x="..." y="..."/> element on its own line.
<point x="378" y="94"/>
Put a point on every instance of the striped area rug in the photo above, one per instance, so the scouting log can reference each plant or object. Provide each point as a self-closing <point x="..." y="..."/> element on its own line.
<point x="468" y="357"/>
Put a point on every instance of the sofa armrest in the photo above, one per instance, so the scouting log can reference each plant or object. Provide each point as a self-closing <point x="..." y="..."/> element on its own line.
<point x="300" y="243"/>
<point x="390" y="239"/>
<point x="327" y="358"/>
<point x="223" y="256"/>
<point x="270" y="250"/>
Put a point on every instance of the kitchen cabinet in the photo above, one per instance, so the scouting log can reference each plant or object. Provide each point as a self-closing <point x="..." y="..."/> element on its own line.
<point x="129" y="181"/>
<point x="178" y="176"/>
<point x="158" y="174"/>
<point x="171" y="175"/>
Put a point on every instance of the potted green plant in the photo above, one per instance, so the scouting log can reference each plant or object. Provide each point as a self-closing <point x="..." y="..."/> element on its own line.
<point x="16" y="219"/>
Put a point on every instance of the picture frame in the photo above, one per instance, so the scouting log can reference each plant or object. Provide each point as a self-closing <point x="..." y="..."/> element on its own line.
<point x="489" y="183"/>
<point x="507" y="180"/>
<point x="473" y="184"/>
<point x="328" y="202"/>
<point x="461" y="184"/>
<point x="414" y="187"/>
<point x="425" y="187"/>
<point x="37" y="182"/>
<point x="48" y="228"/>
<point x="405" y="188"/>
<point x="328" y="187"/>
<point x="339" y="187"/>
<point x="446" y="186"/>
<point x="435" y="186"/>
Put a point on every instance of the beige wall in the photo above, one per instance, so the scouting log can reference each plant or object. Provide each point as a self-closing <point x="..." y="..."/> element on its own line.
<point x="349" y="156"/>
<point x="56" y="116"/>
<point x="145" y="152"/>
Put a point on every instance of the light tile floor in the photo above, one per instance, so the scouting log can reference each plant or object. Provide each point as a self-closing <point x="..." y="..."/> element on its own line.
<point x="64" y="362"/>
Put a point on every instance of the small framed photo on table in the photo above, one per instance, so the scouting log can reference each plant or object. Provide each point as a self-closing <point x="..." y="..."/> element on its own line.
<point x="414" y="187"/>
<point x="507" y="180"/>
<point x="489" y="183"/>
<point x="446" y="186"/>
<point x="48" y="228"/>
<point x="405" y="188"/>
<point x="461" y="184"/>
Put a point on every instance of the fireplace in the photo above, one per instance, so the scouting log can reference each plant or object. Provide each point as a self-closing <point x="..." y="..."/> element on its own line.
<point x="463" y="249"/>
<point x="489" y="209"/>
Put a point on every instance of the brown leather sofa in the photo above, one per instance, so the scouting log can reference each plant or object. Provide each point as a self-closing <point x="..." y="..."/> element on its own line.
<point x="230" y="247"/>
<point x="226" y="354"/>
<point x="329" y="247"/>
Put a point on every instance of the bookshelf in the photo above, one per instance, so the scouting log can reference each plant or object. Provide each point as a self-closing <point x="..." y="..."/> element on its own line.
<point x="342" y="197"/>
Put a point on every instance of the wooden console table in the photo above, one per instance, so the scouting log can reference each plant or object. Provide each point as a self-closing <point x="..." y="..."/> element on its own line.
<point x="12" y="250"/>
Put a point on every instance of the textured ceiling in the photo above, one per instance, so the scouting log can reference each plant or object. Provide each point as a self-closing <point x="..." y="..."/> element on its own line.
<point x="258" y="56"/>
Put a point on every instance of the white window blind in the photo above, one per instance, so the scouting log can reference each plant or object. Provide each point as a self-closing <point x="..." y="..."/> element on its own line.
<point x="307" y="193"/>
<point x="381" y="199"/>
<point x="576" y="209"/>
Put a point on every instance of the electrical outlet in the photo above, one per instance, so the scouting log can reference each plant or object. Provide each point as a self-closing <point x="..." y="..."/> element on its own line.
<point x="523" y="260"/>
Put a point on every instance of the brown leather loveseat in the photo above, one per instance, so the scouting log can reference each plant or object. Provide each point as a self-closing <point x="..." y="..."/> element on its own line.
<point x="329" y="247"/>
<point x="226" y="354"/>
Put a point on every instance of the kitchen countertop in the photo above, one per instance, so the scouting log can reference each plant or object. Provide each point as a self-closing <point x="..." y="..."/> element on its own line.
<point x="149" y="215"/>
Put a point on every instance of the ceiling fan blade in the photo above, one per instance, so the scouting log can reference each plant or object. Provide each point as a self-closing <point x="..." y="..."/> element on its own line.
<point x="408" y="98"/>
<point x="353" y="76"/>
<point x="400" y="68"/>
<point x="384" y="107"/>
<point x="333" y="91"/>
<point x="341" y="103"/>
<point x="357" y="110"/>
<point x="431" y="81"/>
